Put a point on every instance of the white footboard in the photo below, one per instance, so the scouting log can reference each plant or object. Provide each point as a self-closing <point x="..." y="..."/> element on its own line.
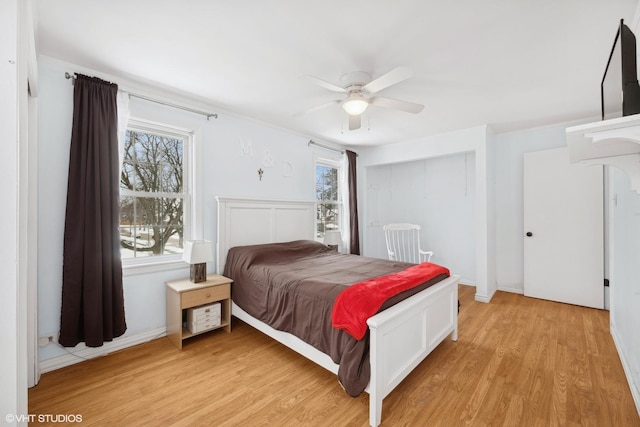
<point x="403" y="335"/>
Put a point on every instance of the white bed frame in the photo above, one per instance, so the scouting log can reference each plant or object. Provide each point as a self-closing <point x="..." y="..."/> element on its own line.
<point x="401" y="336"/>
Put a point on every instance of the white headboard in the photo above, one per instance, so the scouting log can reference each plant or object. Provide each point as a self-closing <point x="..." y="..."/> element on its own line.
<point x="251" y="221"/>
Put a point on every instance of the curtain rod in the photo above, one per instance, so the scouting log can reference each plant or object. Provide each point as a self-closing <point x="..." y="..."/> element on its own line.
<point x="311" y="142"/>
<point x="204" y="113"/>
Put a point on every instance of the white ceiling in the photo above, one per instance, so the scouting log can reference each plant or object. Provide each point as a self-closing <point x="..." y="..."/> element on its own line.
<point x="511" y="64"/>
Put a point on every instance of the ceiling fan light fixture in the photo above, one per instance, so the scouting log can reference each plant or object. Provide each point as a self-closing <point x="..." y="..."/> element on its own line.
<point x="355" y="105"/>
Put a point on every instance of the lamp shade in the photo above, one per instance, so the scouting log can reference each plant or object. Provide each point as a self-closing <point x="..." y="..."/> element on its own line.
<point x="197" y="251"/>
<point x="332" y="238"/>
<point x="355" y="105"/>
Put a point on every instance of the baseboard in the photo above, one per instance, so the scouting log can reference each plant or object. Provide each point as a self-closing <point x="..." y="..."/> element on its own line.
<point x="511" y="289"/>
<point x="635" y="388"/>
<point x="485" y="298"/>
<point x="81" y="352"/>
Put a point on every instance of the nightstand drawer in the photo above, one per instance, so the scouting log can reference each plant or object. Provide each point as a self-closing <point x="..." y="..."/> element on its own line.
<point x="205" y="295"/>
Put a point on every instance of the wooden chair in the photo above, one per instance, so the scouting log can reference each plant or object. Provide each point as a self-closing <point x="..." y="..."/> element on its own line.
<point x="403" y="243"/>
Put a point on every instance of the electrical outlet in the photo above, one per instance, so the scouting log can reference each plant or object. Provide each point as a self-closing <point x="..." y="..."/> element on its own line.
<point x="47" y="339"/>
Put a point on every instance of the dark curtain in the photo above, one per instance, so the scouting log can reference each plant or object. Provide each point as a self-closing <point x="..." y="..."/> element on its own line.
<point x="354" y="238"/>
<point x="92" y="295"/>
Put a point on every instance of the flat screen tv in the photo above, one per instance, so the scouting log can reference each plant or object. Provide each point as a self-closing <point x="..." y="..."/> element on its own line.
<point x="619" y="90"/>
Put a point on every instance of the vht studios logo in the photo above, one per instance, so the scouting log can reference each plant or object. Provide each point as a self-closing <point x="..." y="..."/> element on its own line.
<point x="44" y="418"/>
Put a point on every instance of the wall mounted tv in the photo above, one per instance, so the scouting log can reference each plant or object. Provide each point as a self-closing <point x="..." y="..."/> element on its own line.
<point x="619" y="90"/>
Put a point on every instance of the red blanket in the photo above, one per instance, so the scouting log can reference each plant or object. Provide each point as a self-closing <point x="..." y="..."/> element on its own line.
<point x="358" y="302"/>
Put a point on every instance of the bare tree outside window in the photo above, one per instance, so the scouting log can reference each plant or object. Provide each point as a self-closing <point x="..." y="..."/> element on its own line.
<point x="327" y="196"/>
<point x="152" y="195"/>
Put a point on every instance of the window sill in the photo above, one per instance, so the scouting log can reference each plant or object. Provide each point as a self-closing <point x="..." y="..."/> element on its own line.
<point x="135" y="269"/>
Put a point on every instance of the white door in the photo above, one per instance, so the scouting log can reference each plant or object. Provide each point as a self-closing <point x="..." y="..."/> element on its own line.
<point x="563" y="225"/>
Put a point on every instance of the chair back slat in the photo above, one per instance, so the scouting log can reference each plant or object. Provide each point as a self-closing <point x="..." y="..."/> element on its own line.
<point x="403" y="242"/>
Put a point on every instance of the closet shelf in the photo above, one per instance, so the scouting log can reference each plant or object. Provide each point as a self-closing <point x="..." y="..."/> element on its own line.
<point x="614" y="142"/>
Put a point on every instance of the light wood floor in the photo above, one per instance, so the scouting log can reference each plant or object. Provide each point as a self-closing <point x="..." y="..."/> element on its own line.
<point x="517" y="362"/>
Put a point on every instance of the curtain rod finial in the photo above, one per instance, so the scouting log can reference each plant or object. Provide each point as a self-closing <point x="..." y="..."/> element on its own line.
<point x="72" y="77"/>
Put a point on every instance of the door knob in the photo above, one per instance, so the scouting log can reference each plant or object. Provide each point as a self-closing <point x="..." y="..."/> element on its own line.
<point x="529" y="234"/>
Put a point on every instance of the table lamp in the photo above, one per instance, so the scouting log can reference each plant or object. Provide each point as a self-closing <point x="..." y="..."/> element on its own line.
<point x="332" y="239"/>
<point x="197" y="253"/>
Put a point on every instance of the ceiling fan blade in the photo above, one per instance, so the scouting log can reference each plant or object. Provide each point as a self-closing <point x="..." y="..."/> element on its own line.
<point x="318" y="107"/>
<point x="406" y="106"/>
<point x="325" y="84"/>
<point x="354" y="122"/>
<point x="392" y="77"/>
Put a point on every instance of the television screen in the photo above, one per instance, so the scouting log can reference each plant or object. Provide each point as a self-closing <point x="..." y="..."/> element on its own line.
<point x="619" y="90"/>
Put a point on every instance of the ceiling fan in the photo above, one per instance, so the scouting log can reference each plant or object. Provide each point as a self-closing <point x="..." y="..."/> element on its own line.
<point x="359" y="88"/>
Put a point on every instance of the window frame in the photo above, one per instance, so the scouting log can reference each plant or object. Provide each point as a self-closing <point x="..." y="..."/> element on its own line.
<point x="140" y="265"/>
<point x="338" y="165"/>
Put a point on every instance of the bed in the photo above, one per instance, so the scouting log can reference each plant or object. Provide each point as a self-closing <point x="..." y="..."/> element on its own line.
<point x="400" y="337"/>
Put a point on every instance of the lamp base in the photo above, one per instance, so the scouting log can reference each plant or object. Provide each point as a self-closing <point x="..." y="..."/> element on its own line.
<point x="198" y="272"/>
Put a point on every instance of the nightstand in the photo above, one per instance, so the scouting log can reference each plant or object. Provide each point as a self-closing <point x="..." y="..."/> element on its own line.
<point x="184" y="294"/>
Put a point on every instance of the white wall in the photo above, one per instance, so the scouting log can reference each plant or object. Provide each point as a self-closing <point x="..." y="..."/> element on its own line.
<point x="439" y="195"/>
<point x="226" y="170"/>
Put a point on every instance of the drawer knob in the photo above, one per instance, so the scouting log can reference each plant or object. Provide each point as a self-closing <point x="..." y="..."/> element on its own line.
<point x="207" y="296"/>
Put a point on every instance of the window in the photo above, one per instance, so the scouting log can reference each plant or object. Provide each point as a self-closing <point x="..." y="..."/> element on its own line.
<point x="155" y="199"/>
<point x="329" y="204"/>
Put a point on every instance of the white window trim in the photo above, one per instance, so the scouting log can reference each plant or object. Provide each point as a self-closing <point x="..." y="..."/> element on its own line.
<point x="339" y="165"/>
<point x="193" y="169"/>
